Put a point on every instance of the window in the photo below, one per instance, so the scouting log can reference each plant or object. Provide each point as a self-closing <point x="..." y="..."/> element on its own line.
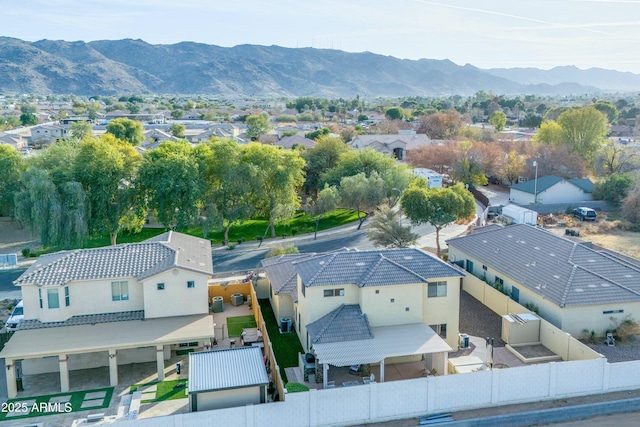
<point x="40" y="296"/>
<point x="612" y="311"/>
<point x="484" y="267"/>
<point x="437" y="289"/>
<point x="393" y="300"/>
<point x="67" y="300"/>
<point x="440" y="330"/>
<point x="120" y="291"/>
<point x="298" y="322"/>
<point x="406" y="309"/>
<point x="303" y="290"/>
<point x="160" y="286"/>
<point x="334" y="292"/>
<point x="377" y="291"/>
<point x="188" y="344"/>
<point x="52" y="298"/>
<point x="499" y="280"/>
<point x="191" y="284"/>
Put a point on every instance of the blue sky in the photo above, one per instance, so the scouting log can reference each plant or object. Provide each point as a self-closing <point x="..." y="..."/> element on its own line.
<point x="485" y="33"/>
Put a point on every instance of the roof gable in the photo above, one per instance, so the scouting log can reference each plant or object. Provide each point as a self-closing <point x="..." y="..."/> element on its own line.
<point x="345" y="323"/>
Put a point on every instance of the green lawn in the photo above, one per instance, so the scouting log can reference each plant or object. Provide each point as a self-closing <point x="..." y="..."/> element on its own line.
<point x="237" y="323"/>
<point x="249" y="230"/>
<point x="165" y="390"/>
<point x="54" y="404"/>
<point x="285" y="346"/>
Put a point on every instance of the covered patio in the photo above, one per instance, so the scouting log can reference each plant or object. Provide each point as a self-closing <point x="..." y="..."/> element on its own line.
<point x="102" y="342"/>
<point x="399" y="341"/>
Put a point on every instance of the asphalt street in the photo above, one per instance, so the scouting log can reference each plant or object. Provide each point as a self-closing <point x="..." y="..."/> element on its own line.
<point x="7" y="288"/>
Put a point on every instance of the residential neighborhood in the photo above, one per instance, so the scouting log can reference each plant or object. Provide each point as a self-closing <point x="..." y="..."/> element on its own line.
<point x="432" y="305"/>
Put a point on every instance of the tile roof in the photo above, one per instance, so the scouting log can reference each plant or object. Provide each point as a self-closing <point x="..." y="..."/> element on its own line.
<point x="139" y="260"/>
<point x="87" y="319"/>
<point x="345" y="323"/>
<point x="546" y="182"/>
<point x="381" y="267"/>
<point x="565" y="272"/>
<point x="226" y="369"/>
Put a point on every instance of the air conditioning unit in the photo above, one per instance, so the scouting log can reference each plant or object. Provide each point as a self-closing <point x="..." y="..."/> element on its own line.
<point x="463" y="341"/>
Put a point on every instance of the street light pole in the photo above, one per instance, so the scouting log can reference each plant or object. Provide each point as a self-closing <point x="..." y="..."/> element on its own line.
<point x="535" y="184"/>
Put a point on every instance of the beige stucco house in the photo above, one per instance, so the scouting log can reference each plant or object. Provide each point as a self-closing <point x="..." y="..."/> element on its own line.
<point x="352" y="307"/>
<point x="111" y="306"/>
<point x="396" y="145"/>
<point x="576" y="286"/>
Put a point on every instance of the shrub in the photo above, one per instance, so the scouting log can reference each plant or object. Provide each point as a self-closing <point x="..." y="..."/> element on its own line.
<point x="231" y="247"/>
<point x="296" y="387"/>
<point x="531" y="307"/>
<point x="294" y="231"/>
<point x="26" y="252"/>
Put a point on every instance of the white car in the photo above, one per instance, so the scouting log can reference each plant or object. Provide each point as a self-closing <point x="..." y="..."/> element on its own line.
<point x="16" y="317"/>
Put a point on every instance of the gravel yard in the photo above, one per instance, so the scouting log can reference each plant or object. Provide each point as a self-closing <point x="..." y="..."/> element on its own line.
<point x="479" y="321"/>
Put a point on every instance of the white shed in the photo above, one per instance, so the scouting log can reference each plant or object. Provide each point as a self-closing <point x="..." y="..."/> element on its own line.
<point x="520" y="215"/>
<point x="227" y="378"/>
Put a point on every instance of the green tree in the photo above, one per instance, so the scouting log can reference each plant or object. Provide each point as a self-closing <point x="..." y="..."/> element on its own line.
<point x="12" y="166"/>
<point x="177" y="114"/>
<point x="467" y="168"/>
<point x="550" y="133"/>
<point x="279" y="175"/>
<point x="614" y="158"/>
<point x="229" y="184"/>
<point x="282" y="250"/>
<point x="498" y="120"/>
<point x="387" y="230"/>
<point x="353" y="162"/>
<point x="614" y="188"/>
<point x="126" y="130"/>
<point x="362" y="193"/>
<point x="177" y="130"/>
<point x="28" y="109"/>
<point x="321" y="158"/>
<point x="584" y="130"/>
<point x="80" y="130"/>
<point x="316" y="134"/>
<point x="326" y="201"/>
<point x="171" y="181"/>
<point x="28" y="119"/>
<point x="394" y="113"/>
<point x="608" y="109"/>
<point x="107" y="168"/>
<point x="437" y="206"/>
<point x="257" y="125"/>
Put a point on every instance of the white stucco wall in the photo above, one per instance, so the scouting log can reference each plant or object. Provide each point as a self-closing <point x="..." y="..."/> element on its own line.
<point x="89" y="297"/>
<point x="176" y="299"/>
<point x="209" y="400"/>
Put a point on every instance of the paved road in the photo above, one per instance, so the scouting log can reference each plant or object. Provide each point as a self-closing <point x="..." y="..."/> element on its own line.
<point x="7" y="289"/>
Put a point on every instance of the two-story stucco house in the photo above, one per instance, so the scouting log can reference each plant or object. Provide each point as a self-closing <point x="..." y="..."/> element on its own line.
<point x="352" y="307"/>
<point x="111" y="306"/>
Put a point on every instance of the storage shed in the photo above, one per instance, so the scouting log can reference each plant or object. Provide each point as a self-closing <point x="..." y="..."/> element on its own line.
<point x="227" y="378"/>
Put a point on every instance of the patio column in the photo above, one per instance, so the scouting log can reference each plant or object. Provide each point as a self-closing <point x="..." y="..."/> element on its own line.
<point x="445" y="363"/>
<point x="160" y="361"/>
<point x="12" y="388"/>
<point x="382" y="371"/>
<point x="64" y="372"/>
<point x="325" y="370"/>
<point x="113" y="367"/>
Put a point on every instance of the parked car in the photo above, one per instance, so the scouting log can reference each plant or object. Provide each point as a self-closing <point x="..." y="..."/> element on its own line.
<point x="16" y="317"/>
<point x="585" y="214"/>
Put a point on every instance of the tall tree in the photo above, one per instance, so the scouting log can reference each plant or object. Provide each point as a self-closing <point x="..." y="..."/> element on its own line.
<point x="498" y="120"/>
<point x="106" y="168"/>
<point x="513" y="167"/>
<point x="353" y="162"/>
<point x="229" y="184"/>
<point x="326" y="201"/>
<point x="279" y="176"/>
<point x="171" y="180"/>
<point x="12" y="166"/>
<point x="81" y="129"/>
<point x="177" y="130"/>
<point x="387" y="230"/>
<point x="437" y="206"/>
<point x="126" y="130"/>
<point x="394" y="113"/>
<point x="362" y="193"/>
<point x="257" y="125"/>
<point x="322" y="157"/>
<point x="584" y="130"/>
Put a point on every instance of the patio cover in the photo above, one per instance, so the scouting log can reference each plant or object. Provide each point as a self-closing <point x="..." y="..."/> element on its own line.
<point x="43" y="342"/>
<point x="387" y="341"/>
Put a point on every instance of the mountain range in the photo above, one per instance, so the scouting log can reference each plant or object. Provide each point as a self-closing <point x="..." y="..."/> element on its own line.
<point x="109" y="67"/>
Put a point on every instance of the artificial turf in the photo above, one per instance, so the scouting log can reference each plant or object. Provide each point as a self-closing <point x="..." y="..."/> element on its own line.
<point x="236" y="324"/>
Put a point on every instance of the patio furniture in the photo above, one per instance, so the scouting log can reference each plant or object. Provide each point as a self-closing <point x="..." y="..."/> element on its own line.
<point x="331" y="384"/>
<point x="354" y="369"/>
<point x="610" y="340"/>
